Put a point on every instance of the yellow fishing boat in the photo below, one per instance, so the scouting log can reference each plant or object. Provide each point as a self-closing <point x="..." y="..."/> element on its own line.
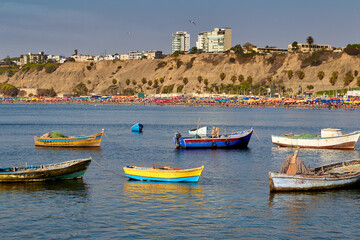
<point x="163" y="173"/>
<point x="74" y="141"/>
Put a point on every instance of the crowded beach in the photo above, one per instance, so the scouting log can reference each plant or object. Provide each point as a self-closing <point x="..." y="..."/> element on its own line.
<point x="219" y="100"/>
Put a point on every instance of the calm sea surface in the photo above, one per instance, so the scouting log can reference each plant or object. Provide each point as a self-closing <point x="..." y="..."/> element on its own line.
<point x="231" y="199"/>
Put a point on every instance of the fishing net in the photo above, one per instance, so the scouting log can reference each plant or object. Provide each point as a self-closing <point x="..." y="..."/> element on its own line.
<point x="57" y="134"/>
<point x="307" y="135"/>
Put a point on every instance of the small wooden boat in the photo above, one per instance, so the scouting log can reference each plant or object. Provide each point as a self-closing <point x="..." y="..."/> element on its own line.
<point x="198" y="131"/>
<point x="330" y="139"/>
<point x="65" y="170"/>
<point x="234" y="140"/>
<point x="73" y="141"/>
<point x="137" y="127"/>
<point x="335" y="175"/>
<point x="163" y="173"/>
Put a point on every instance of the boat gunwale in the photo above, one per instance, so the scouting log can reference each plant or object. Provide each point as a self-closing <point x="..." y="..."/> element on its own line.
<point x="43" y="168"/>
<point x="152" y="169"/>
<point x="87" y="137"/>
<point x="230" y="137"/>
<point x="317" y="138"/>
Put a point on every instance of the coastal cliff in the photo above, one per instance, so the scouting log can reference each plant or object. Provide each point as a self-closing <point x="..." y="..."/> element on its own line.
<point x="154" y="76"/>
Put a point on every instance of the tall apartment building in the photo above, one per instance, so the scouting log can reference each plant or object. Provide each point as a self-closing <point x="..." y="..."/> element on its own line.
<point x="215" y="41"/>
<point x="180" y="41"/>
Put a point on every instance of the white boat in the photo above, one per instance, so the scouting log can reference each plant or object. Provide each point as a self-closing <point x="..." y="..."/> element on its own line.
<point x="200" y="131"/>
<point x="330" y="139"/>
<point x="335" y="175"/>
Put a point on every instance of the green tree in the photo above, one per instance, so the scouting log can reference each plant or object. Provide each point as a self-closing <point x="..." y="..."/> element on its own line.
<point x="233" y="79"/>
<point x="310" y="41"/>
<point x="269" y="79"/>
<point x="358" y="81"/>
<point x="185" y="80"/>
<point x="334" y="77"/>
<point x="321" y="75"/>
<point x="149" y="83"/>
<point x="237" y="48"/>
<point x="199" y="78"/>
<point x="206" y="82"/>
<point x="241" y="78"/>
<point x="156" y="83"/>
<point x="9" y="90"/>
<point x="162" y="79"/>
<point x="80" y="89"/>
<point x="348" y="78"/>
<point x="300" y="75"/>
<point x="290" y="74"/>
<point x="309" y="87"/>
<point x="114" y="81"/>
<point x="294" y="45"/>
<point x="143" y="80"/>
<point x="127" y="82"/>
<point x="249" y="79"/>
<point x="222" y="76"/>
<point x="134" y="82"/>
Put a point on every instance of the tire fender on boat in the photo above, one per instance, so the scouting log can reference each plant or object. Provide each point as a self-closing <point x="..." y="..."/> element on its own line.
<point x="213" y="144"/>
<point x="226" y="142"/>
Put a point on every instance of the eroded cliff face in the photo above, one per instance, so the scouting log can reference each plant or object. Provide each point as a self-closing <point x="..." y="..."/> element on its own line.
<point x="98" y="76"/>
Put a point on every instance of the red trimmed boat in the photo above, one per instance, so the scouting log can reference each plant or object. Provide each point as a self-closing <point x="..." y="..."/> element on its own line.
<point x="234" y="140"/>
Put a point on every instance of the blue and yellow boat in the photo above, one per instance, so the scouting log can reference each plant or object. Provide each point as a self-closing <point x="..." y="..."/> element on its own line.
<point x="74" y="141"/>
<point x="162" y="173"/>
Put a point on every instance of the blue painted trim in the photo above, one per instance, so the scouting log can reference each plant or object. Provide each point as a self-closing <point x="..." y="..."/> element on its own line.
<point x="184" y="179"/>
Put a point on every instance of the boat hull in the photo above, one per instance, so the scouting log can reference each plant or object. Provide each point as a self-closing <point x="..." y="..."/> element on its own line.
<point x="78" y="141"/>
<point x="159" y="175"/>
<point x="235" y="140"/>
<point x="67" y="170"/>
<point x="309" y="182"/>
<point x="346" y="142"/>
<point x="137" y="127"/>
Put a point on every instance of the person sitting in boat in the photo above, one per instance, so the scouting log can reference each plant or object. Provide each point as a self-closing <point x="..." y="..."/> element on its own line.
<point x="215" y="132"/>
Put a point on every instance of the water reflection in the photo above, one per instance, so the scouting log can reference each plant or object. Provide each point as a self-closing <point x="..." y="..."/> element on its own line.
<point x="75" y="187"/>
<point x="162" y="190"/>
<point x="297" y="207"/>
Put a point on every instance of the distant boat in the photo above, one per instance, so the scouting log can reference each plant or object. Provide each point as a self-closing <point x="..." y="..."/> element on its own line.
<point x="66" y="170"/>
<point x="335" y="175"/>
<point x="137" y="127"/>
<point x="47" y="140"/>
<point x="163" y="173"/>
<point x="234" y="140"/>
<point x="201" y="131"/>
<point x="330" y="139"/>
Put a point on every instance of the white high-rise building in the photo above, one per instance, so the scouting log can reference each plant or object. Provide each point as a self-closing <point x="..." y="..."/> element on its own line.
<point x="180" y="41"/>
<point x="218" y="40"/>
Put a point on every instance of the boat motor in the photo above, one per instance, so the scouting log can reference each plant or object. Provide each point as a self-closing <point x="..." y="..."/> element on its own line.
<point x="177" y="137"/>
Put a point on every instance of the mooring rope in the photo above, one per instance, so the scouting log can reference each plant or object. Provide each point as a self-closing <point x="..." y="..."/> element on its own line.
<point x="109" y="169"/>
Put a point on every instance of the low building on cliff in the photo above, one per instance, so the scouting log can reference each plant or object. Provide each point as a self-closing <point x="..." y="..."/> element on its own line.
<point x="305" y="47"/>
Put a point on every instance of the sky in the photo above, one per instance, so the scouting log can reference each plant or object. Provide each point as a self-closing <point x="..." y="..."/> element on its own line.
<point x="97" y="27"/>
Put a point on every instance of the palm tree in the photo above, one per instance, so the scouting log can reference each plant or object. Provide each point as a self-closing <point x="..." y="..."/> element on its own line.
<point x="310" y="41"/>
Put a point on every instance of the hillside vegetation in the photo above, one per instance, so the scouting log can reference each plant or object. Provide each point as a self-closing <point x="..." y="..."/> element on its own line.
<point x="202" y="73"/>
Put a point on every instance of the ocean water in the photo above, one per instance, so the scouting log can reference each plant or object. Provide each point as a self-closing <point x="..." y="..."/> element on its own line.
<point x="231" y="199"/>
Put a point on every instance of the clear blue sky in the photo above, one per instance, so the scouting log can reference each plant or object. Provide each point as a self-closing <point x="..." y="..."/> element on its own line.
<point x="93" y="27"/>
